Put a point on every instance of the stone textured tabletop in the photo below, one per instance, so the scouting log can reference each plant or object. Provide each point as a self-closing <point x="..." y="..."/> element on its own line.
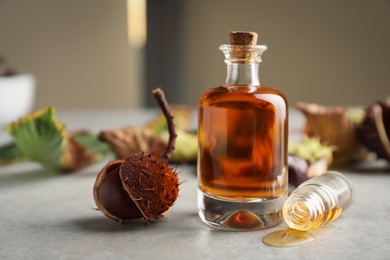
<point x="47" y="216"/>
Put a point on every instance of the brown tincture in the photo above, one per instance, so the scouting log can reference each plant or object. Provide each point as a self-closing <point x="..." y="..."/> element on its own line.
<point x="243" y="140"/>
<point x="141" y="185"/>
<point x="241" y="136"/>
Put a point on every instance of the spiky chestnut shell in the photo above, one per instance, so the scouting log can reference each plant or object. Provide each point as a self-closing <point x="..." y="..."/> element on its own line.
<point x="139" y="186"/>
<point x="150" y="182"/>
<point x="374" y="131"/>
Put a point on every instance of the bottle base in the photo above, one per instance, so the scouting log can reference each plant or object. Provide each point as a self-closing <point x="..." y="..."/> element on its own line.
<point x="240" y="215"/>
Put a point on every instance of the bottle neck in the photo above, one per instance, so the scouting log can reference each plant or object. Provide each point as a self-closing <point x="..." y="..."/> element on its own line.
<point x="242" y="64"/>
<point x="242" y="74"/>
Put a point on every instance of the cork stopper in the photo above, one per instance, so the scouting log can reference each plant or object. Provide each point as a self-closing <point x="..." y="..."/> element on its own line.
<point x="243" y="38"/>
<point x="243" y="48"/>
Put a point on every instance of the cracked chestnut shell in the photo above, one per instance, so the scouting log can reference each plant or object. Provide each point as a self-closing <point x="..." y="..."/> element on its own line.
<point x="374" y="130"/>
<point x="111" y="198"/>
<point x="140" y="186"/>
<point x="297" y="170"/>
<point x="301" y="170"/>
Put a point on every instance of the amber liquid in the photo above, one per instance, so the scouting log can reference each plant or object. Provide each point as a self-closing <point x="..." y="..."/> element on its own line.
<point x="243" y="143"/>
<point x="302" y="217"/>
<point x="287" y="238"/>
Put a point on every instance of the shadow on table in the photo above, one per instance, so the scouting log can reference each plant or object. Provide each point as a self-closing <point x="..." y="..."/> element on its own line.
<point x="23" y="176"/>
<point x="370" y="167"/>
<point x="101" y="224"/>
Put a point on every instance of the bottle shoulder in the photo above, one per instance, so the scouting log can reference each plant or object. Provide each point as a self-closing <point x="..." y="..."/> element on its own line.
<point x="226" y="94"/>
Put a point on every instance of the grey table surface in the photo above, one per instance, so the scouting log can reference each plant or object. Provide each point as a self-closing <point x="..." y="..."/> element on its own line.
<point x="48" y="216"/>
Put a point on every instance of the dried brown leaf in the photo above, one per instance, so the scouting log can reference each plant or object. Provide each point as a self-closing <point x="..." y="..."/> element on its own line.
<point x="127" y="140"/>
<point x="333" y="127"/>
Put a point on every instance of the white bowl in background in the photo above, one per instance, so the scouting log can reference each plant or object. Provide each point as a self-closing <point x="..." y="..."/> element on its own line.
<point x="17" y="94"/>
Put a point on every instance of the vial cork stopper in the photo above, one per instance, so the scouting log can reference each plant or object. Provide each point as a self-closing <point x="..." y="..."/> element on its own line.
<point x="241" y="43"/>
<point x="243" y="38"/>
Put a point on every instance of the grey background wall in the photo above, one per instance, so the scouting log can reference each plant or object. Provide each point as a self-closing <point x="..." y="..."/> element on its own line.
<point x="331" y="52"/>
<point x="77" y="49"/>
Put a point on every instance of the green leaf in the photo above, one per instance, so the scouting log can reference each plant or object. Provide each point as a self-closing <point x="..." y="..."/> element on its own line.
<point x="311" y="149"/>
<point x="40" y="137"/>
<point x="10" y="153"/>
<point x="186" y="147"/>
<point x="93" y="144"/>
<point x="181" y="116"/>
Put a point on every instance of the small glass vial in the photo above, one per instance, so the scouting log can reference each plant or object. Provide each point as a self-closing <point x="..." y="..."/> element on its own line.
<point x="242" y="137"/>
<point x="318" y="201"/>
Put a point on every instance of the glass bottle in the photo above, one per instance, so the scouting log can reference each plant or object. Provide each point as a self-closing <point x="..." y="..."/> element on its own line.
<point x="318" y="201"/>
<point x="242" y="137"/>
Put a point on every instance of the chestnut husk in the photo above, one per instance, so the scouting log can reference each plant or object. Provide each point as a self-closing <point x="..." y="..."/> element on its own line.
<point x="297" y="170"/>
<point x="374" y="130"/>
<point x="111" y="198"/>
<point x="140" y="186"/>
<point x="301" y="170"/>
